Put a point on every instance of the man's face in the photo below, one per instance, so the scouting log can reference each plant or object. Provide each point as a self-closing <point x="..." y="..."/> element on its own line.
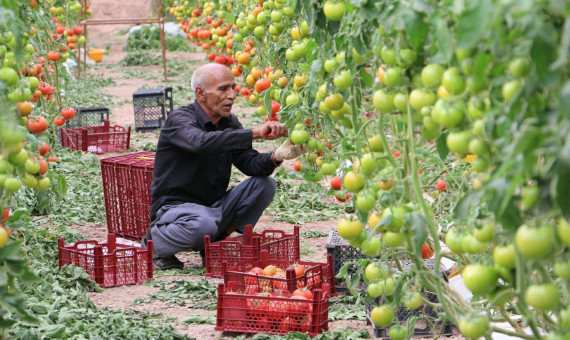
<point x="218" y="95"/>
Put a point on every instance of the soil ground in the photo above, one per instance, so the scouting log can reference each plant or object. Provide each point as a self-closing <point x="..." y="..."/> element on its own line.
<point x="121" y="298"/>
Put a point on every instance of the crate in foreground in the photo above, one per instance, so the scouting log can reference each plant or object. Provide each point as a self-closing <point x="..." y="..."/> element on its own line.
<point x="126" y="186"/>
<point x="97" y="139"/>
<point x="248" y="246"/>
<point x="152" y="107"/>
<point x="109" y="263"/>
<point x="427" y="322"/>
<point x="87" y="116"/>
<point x="262" y="313"/>
<point x="311" y="275"/>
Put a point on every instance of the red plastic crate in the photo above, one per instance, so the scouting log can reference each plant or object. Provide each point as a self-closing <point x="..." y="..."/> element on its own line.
<point x="243" y="313"/>
<point x="248" y="246"/>
<point x="126" y="185"/>
<point x="97" y="139"/>
<point x="109" y="263"/>
<point x="316" y="274"/>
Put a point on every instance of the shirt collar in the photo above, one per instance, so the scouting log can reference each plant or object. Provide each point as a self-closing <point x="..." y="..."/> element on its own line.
<point x="203" y="118"/>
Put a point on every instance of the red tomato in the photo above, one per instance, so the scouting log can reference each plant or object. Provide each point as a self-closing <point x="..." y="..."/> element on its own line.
<point x="441" y="185"/>
<point x="211" y="56"/>
<point x="221" y="59"/>
<point x="37" y="124"/>
<point x="275" y="106"/>
<point x="307" y="294"/>
<point x="59" y="121"/>
<point x="297" y="165"/>
<point x="336" y="183"/>
<point x="53" y="56"/>
<point x="68" y="113"/>
<point x="262" y="84"/>
<point x="427" y="252"/>
<point x="5" y="214"/>
<point x="396" y="154"/>
<point x="77" y="30"/>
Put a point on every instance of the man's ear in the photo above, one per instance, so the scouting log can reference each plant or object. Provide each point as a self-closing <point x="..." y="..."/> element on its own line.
<point x="199" y="93"/>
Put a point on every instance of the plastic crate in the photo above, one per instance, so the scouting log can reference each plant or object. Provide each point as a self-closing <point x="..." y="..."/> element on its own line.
<point x="243" y="313"/>
<point x="97" y="139"/>
<point x="126" y="186"/>
<point x="248" y="246"/>
<point x="425" y="326"/>
<point x="341" y="253"/>
<point x="109" y="263"/>
<point x="316" y="274"/>
<point x="151" y="107"/>
<point x="87" y="116"/>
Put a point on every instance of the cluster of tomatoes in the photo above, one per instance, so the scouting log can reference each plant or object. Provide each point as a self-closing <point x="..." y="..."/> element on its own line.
<point x="68" y="37"/>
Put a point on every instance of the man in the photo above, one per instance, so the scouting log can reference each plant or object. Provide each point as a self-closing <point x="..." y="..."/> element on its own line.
<point x="196" y="149"/>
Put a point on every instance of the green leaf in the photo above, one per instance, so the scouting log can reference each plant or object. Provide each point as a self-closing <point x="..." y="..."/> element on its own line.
<point x="441" y="146"/>
<point x="417" y="30"/>
<point x="366" y="78"/>
<point x="481" y="66"/>
<point x="419" y="226"/>
<point x="473" y="23"/>
<point x="565" y="100"/>
<point x="543" y="53"/>
<point x="471" y="199"/>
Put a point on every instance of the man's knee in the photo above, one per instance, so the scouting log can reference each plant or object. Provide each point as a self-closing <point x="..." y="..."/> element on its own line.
<point x="267" y="186"/>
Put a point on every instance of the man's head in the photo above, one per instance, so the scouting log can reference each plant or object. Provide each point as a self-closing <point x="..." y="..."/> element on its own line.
<point x="213" y="85"/>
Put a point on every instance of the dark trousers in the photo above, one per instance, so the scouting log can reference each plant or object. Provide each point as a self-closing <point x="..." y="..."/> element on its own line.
<point x="183" y="226"/>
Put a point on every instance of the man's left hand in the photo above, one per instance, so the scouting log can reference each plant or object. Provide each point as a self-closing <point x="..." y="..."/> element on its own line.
<point x="270" y="130"/>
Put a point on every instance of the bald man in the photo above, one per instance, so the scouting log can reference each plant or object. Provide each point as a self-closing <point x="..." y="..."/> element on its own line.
<point x="196" y="149"/>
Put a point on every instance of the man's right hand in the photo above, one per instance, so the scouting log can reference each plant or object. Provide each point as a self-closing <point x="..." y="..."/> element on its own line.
<point x="270" y="130"/>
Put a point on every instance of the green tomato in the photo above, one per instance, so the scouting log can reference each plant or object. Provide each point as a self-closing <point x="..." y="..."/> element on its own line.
<point x="388" y="55"/>
<point x="453" y="82"/>
<point x="382" y="316"/>
<point x="562" y="269"/>
<point x="299" y="137"/>
<point x="474" y="327"/>
<point x="431" y="75"/>
<point x="544" y="297"/>
<point x="343" y="80"/>
<point x="397" y="332"/>
<point x="511" y="88"/>
<point x="519" y="67"/>
<point x="394" y="239"/>
<point x="505" y="256"/>
<point x="401" y="102"/>
<point x="334" y="11"/>
<point x="393" y="77"/>
<point x="413" y="300"/>
<point x="479" y="279"/>
<point x="534" y="243"/>
<point x="563" y="231"/>
<point x="485" y="233"/>
<point x="365" y="202"/>
<point x="458" y="141"/>
<point x="383" y="101"/>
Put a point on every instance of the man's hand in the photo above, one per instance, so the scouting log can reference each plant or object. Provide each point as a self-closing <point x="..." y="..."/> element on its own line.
<point x="289" y="151"/>
<point x="270" y="130"/>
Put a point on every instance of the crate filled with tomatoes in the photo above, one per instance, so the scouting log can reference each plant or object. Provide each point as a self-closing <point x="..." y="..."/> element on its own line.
<point x="247" y="246"/>
<point x="267" y="275"/>
<point x="272" y="313"/>
<point x="109" y="263"/>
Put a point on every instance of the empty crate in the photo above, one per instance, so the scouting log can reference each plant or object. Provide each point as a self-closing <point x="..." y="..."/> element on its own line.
<point x="109" y="263"/>
<point x="248" y="246"/>
<point x="87" y="116"/>
<point x="151" y="107"/>
<point x="263" y="313"/>
<point x="126" y="186"/>
<point x="97" y="139"/>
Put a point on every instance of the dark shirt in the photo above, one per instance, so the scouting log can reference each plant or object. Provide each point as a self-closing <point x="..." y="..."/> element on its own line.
<point x="194" y="158"/>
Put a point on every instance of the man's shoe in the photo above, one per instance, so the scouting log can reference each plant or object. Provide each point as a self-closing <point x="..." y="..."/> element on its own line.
<point x="170" y="262"/>
<point x="203" y="256"/>
<point x="147" y="237"/>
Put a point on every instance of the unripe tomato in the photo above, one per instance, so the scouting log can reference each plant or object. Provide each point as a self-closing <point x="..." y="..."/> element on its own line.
<point x="388" y="55"/>
<point x="519" y="67"/>
<point x="510" y="89"/>
<point x="431" y="75"/>
<point x="544" y="297"/>
<point x="394" y="239"/>
<point x="343" y="80"/>
<point x="373" y="273"/>
<point x="382" y="316"/>
<point x="334" y="11"/>
<point x="43" y="183"/>
<point x="384" y="102"/>
<point x="397" y="218"/>
<point x="474" y="327"/>
<point x="353" y="181"/>
<point x="397" y="332"/>
<point x="479" y="279"/>
<point x="393" y="77"/>
<point x="458" y="141"/>
<point x="562" y="269"/>
<point x="453" y="240"/>
<point x="534" y="242"/>
<point x="485" y="233"/>
<point x="349" y="230"/>
<point x="453" y="81"/>
<point x="334" y="101"/>
<point x="3" y="236"/>
<point x="413" y="300"/>
<point x="563" y="231"/>
<point x="365" y="202"/>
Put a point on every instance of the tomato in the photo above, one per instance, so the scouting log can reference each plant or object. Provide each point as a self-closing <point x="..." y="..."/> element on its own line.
<point x="562" y="269"/>
<point x="24" y="108"/>
<point x="448" y="113"/>
<point x="269" y="270"/>
<point x="478" y="147"/>
<point x="374" y="290"/>
<point x="471" y="245"/>
<point x="43" y="166"/>
<point x="386" y="184"/>
<point x="420" y="99"/>
<point x="299" y="137"/>
<point x="485" y="233"/>
<point x="32" y="167"/>
<point x="397" y="218"/>
<point x="343" y="80"/>
<point x="479" y="279"/>
<point x="393" y="77"/>
<point x="334" y="11"/>
<point x="307" y="294"/>
<point x="53" y="56"/>
<point x="334" y="101"/>
<point x="441" y="185"/>
<point x="353" y="181"/>
<point x="519" y="67"/>
<point x="68" y="113"/>
<point x="43" y="183"/>
<point x="349" y="230"/>
<point x="19" y="158"/>
<point x="397" y="332"/>
<point x="431" y="75"/>
<point x="3" y="236"/>
<point x="43" y="148"/>
<point x="388" y="55"/>
<point x="544" y="296"/>
<point x="371" y="247"/>
<point x="12" y="184"/>
<point x="529" y="195"/>
<point x="9" y="75"/>
<point x="383" y="101"/>
<point x="458" y="141"/>
<point x="336" y="183"/>
<point x="382" y="316"/>
<point x="394" y="239"/>
<point x="534" y="243"/>
<point x="59" y="121"/>
<point x="563" y="231"/>
<point x="331" y="65"/>
<point x="452" y="81"/>
<point x="373" y="273"/>
<point x="474" y="327"/>
<point x="511" y="88"/>
<point x="365" y="201"/>
<point x="37" y="124"/>
<point x="427" y="252"/>
<point x="413" y="300"/>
